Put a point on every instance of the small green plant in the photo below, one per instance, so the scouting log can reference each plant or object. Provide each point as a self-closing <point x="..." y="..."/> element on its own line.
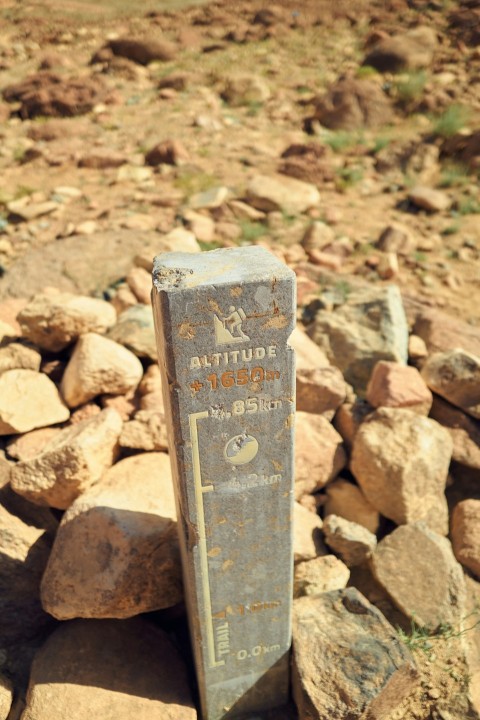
<point x="342" y="140"/>
<point x="23" y="191"/>
<point x="380" y="143"/>
<point x="454" y="175"/>
<point x="253" y="108"/>
<point x="468" y="206"/>
<point x="451" y="121"/>
<point x="19" y="154"/>
<point x="419" y="639"/>
<point x="209" y="245"/>
<point x="191" y="181"/>
<point x="366" y="71"/>
<point x="451" y="229"/>
<point x="410" y="88"/>
<point x="251" y="230"/>
<point x="349" y="176"/>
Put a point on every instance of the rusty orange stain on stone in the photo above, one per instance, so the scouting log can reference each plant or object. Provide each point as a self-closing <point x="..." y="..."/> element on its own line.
<point x="236" y="291"/>
<point x="278" y="322"/>
<point x="187" y="331"/>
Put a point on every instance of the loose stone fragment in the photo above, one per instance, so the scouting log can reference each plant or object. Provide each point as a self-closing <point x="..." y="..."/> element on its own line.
<point x="348" y="501"/>
<point x="418" y="570"/>
<point x="348" y="660"/>
<point x="322" y="574"/>
<point x="464" y="431"/>
<point x="409" y="50"/>
<point x="134" y="329"/>
<point x="428" y="199"/>
<point x="70" y="463"/>
<point x="279" y="192"/>
<point x="147" y="431"/>
<point x="401" y="461"/>
<point x="442" y="332"/>
<point x="16" y="356"/>
<point x="351" y="541"/>
<point x="6" y="697"/>
<point x="99" y="365"/>
<point x="130" y="563"/>
<point x="28" y="400"/>
<point x="455" y="375"/>
<point x="348" y="419"/>
<point x="320" y="390"/>
<point x="27" y="446"/>
<point x="109" y="669"/>
<point x="399" y="386"/>
<point x="150" y="390"/>
<point x="465" y="533"/>
<point x="307" y="536"/>
<point x="244" y="89"/>
<point x="53" y="321"/>
<point x="139" y="281"/>
<point x="319" y="453"/>
<point x="370" y="326"/>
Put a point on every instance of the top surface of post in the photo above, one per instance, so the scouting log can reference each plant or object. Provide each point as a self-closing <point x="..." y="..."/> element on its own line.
<point x="178" y="271"/>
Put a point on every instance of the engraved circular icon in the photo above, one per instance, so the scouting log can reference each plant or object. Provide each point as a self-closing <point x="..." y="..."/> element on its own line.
<point x="240" y="449"/>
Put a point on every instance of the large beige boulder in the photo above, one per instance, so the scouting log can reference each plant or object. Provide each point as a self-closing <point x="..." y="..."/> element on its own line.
<point x="418" y="570"/>
<point x="348" y="662"/>
<point x="110" y="670"/>
<point x="53" y="321"/>
<point x="465" y="532"/>
<point x="400" y="460"/>
<point x="319" y="453"/>
<point x="126" y="528"/>
<point x="29" y="400"/>
<point x="455" y="375"/>
<point x="71" y="462"/>
<point x="346" y="500"/>
<point x="279" y="192"/>
<point x="99" y="365"/>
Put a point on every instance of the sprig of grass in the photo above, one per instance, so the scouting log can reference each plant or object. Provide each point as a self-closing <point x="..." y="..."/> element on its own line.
<point x="451" y="121"/>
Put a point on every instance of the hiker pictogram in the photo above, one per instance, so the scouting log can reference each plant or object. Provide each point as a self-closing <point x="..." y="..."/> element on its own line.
<point x="229" y="328"/>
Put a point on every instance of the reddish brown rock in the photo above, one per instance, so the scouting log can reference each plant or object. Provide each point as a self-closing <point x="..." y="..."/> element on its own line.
<point x="351" y="541"/>
<point x="307" y="536"/>
<point x="398" y="386"/>
<point x="348" y="501"/>
<point x="353" y="103"/>
<point x="409" y="50"/>
<point x="319" y="454"/>
<point x="142" y="51"/>
<point x="455" y="375"/>
<point x="443" y="332"/>
<point x="101" y="159"/>
<point x="464" y="431"/>
<point x="465" y="532"/>
<point x="140" y="283"/>
<point x="168" y="152"/>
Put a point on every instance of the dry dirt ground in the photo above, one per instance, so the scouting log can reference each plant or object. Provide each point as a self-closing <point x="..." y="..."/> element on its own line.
<point x="307" y="46"/>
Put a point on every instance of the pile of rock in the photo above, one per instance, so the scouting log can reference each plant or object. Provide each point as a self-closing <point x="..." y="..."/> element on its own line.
<point x="88" y="513"/>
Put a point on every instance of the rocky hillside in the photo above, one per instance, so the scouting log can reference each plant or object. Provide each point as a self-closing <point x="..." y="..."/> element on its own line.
<point x="347" y="142"/>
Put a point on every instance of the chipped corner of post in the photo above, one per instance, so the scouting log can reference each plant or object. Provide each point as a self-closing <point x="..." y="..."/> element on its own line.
<point x="166" y="278"/>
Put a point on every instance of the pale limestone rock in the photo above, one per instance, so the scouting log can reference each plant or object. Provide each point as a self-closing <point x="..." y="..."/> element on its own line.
<point x="16" y="356"/>
<point x="109" y="670"/>
<point x="396" y="238"/>
<point x="126" y="527"/>
<point x="351" y="541"/>
<point x="308" y="355"/>
<point x="307" y="536"/>
<point x="398" y="386"/>
<point x="429" y="199"/>
<point x="126" y="405"/>
<point x="99" y="365"/>
<point x="465" y="533"/>
<point x="401" y="460"/>
<point x="202" y="226"/>
<point x="319" y="453"/>
<point x="279" y="192"/>
<point x="463" y="429"/>
<point x="455" y="375"/>
<point x="70" y="463"/>
<point x="150" y="390"/>
<point x="147" y="431"/>
<point x="317" y="236"/>
<point x="348" y="501"/>
<point x="27" y="446"/>
<point x="418" y="570"/>
<point x="123" y="299"/>
<point x="7" y="330"/>
<point x="348" y="662"/>
<point x="134" y="329"/>
<point x="139" y="281"/>
<point x="54" y="321"/>
<point x="29" y="400"/>
<point x="369" y="326"/>
<point x="209" y="199"/>
<point x="322" y="574"/>
<point x="417" y="349"/>
<point x="6" y="697"/>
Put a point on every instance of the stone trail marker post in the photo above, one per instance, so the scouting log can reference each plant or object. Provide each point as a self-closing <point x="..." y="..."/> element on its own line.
<point x="222" y="320"/>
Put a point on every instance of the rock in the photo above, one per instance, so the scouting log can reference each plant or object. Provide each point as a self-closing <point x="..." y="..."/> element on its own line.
<point x="137" y="174"/>
<point x="348" y="419"/>
<point x="245" y="89"/>
<point x="428" y="199"/>
<point x="308" y="355"/>
<point x="99" y="365"/>
<point x="209" y="199"/>
<point x="464" y="147"/>
<point x="411" y="562"/>
<point x="442" y="332"/>
<point x="317" y="236"/>
<point x="26" y="447"/>
<point x="16" y="356"/>
<point x="319" y="453"/>
<point x="202" y="226"/>
<point x="140" y="283"/>
<point x="134" y="330"/>
<point x="322" y="574"/>
<point x="53" y="321"/>
<point x="168" y="152"/>
<point x="102" y="159"/>
<point x="398" y="386"/>
<point x="465" y="533"/>
<point x="348" y="661"/>
<point x="455" y="375"/>
<point x="464" y="431"/>
<point x="348" y="501"/>
<point x="6" y="697"/>
<point x="26" y="210"/>
<point x="309" y="162"/>
<point x="9" y="310"/>
<point x="417" y="350"/>
<point x="107" y="669"/>
<point x="396" y="238"/>
<point x="401" y="460"/>
<point x="147" y="431"/>
<point x="353" y="542"/>
<point x="18" y="414"/>
<point x="320" y="391"/>
<point x="48" y="94"/>
<point x="388" y="266"/>
<point x="150" y="390"/>
<point x="126" y="405"/>
<point x="130" y="563"/>
<point x="307" y="536"/>
<point x="70" y="463"/>
<point x="278" y="192"/>
<point x="123" y="299"/>
<point x="351" y="104"/>
<point x="142" y="52"/>
<point x="410" y="50"/>
<point x="368" y="327"/>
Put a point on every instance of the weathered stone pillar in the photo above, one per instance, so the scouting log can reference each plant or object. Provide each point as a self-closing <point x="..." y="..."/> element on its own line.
<point x="223" y="319"/>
